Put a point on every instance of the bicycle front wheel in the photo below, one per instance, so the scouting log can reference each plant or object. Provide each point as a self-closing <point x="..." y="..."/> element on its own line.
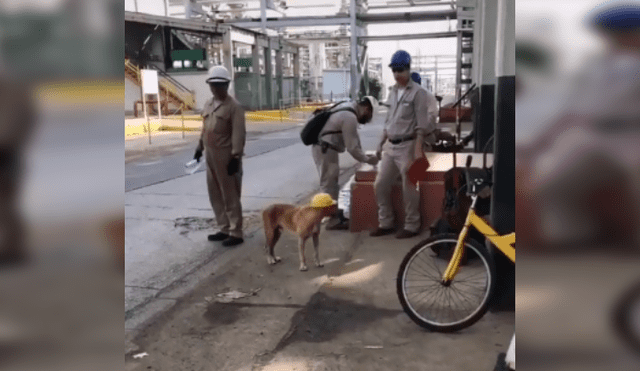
<point x="439" y="307"/>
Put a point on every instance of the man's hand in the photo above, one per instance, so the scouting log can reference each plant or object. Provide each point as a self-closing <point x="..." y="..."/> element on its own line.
<point x="197" y="155"/>
<point x="372" y="160"/>
<point x="233" y="166"/>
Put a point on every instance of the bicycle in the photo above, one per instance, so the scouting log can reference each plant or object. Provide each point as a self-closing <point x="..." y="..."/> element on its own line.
<point x="447" y="296"/>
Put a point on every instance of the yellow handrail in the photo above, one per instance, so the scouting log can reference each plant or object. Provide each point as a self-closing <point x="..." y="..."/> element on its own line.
<point x="169" y="88"/>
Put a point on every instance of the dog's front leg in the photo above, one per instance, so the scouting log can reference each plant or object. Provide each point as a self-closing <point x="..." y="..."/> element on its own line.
<point x="316" y="243"/>
<point x="303" y="264"/>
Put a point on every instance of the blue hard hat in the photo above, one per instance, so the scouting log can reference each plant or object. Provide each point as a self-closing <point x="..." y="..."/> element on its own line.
<point x="400" y="59"/>
<point x="617" y="16"/>
<point x="416" y="78"/>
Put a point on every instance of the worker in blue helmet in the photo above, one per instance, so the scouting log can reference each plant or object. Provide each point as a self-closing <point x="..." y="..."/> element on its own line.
<point x="617" y="16"/>
<point x="410" y="124"/>
<point x="416" y="78"/>
<point x="619" y="23"/>
<point x="593" y="132"/>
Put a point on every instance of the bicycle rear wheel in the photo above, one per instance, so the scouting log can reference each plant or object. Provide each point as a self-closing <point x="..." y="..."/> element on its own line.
<point x="445" y="308"/>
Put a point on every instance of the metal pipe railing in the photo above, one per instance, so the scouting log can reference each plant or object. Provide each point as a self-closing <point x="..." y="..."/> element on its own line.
<point x="464" y="96"/>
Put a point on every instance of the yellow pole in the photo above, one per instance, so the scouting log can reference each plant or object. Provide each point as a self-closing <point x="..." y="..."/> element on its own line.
<point x="146" y="115"/>
<point x="182" y="115"/>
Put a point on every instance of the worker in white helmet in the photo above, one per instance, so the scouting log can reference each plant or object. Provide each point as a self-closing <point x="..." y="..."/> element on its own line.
<point x="223" y="139"/>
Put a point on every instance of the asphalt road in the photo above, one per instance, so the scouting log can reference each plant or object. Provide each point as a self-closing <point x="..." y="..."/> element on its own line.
<point x="164" y="160"/>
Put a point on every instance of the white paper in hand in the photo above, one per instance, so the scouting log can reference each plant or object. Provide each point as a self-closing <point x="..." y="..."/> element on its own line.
<point x="193" y="166"/>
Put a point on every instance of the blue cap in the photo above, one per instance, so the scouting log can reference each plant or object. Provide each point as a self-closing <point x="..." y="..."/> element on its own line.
<point x="416" y="77"/>
<point x="617" y="16"/>
<point x="400" y="59"/>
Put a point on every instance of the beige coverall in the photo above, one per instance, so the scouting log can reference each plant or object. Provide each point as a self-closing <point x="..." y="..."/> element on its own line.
<point x="327" y="163"/>
<point x="413" y="113"/>
<point x="223" y="136"/>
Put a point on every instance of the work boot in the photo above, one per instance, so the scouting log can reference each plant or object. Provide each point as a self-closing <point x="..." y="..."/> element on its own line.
<point x="382" y="232"/>
<point x="337" y="225"/>
<point x="338" y="222"/>
<point x="232" y="241"/>
<point x="218" y="236"/>
<point x="406" y="234"/>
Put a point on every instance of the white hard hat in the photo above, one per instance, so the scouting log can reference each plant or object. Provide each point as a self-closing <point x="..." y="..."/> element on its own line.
<point x="373" y="101"/>
<point x="218" y="74"/>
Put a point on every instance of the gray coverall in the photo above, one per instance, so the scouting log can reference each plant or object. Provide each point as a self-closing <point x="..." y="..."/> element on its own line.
<point x="223" y="136"/>
<point x="327" y="163"/>
<point x="413" y="113"/>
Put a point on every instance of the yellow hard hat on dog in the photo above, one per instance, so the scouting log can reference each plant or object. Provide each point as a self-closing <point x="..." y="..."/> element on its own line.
<point x="322" y="200"/>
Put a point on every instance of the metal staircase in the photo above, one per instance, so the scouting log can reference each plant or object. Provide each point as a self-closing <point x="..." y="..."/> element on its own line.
<point x="171" y="91"/>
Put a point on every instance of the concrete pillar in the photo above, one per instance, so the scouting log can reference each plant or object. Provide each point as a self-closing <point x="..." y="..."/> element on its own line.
<point x="227" y="59"/>
<point x="279" y="73"/>
<point x="263" y="15"/>
<point x="365" y="76"/>
<point x="503" y="196"/>
<point x="268" y="76"/>
<point x="296" y="75"/>
<point x="256" y="81"/>
<point x="486" y="82"/>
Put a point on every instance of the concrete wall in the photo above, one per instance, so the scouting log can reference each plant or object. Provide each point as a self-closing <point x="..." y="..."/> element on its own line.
<point x="132" y="93"/>
<point x="196" y="81"/>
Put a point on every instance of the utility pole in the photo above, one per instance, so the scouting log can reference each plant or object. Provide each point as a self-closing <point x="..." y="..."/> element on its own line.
<point x="435" y="83"/>
<point x="263" y="16"/>
<point x="354" y="49"/>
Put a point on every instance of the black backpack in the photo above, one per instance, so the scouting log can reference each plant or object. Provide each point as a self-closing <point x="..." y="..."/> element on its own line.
<point x="310" y="134"/>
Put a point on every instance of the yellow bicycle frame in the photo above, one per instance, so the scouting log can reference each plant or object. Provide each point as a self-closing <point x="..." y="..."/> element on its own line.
<point x="504" y="243"/>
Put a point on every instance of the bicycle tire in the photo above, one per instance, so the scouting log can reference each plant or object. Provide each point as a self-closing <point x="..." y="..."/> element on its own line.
<point x="626" y="317"/>
<point x="424" y="259"/>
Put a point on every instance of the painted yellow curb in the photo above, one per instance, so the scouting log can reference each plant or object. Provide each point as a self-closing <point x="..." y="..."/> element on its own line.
<point x="266" y="115"/>
<point x="71" y="92"/>
<point x="140" y="129"/>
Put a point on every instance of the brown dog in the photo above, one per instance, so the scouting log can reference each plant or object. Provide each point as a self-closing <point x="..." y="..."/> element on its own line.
<point x="303" y="221"/>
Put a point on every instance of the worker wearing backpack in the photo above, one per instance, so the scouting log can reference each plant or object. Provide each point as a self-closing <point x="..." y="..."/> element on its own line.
<point x="340" y="133"/>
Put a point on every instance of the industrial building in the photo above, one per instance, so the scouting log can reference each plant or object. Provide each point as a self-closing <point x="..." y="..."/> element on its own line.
<point x="313" y="58"/>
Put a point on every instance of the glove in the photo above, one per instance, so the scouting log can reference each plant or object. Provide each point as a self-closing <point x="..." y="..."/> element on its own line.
<point x="197" y="155"/>
<point x="234" y="166"/>
<point x="372" y="160"/>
